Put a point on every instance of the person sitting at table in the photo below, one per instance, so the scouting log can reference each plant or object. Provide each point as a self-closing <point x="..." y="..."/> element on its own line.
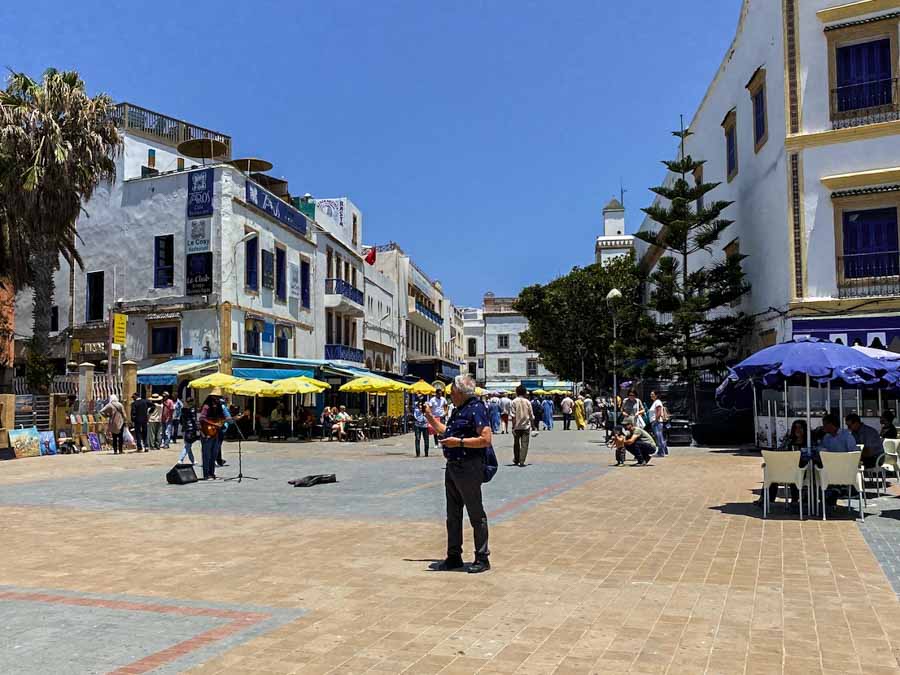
<point x="341" y="421"/>
<point x="867" y="437"/>
<point x="794" y="441"/>
<point x="835" y="438"/>
<point x="329" y="427"/>
<point x="888" y="430"/>
<point x="279" y="421"/>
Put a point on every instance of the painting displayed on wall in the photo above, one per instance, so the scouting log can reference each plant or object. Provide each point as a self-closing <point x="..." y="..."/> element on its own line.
<point x="94" y="441"/>
<point x="48" y="443"/>
<point x="25" y="442"/>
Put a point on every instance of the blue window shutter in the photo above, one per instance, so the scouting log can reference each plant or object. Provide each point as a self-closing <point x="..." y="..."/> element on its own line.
<point x="870" y="243"/>
<point x="304" y="283"/>
<point x="251" y="263"/>
<point x="864" y="75"/>
<point x="759" y="115"/>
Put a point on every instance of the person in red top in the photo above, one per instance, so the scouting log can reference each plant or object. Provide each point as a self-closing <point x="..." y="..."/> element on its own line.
<point x="166" y="417"/>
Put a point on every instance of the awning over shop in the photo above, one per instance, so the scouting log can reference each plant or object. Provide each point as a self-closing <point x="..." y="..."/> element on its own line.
<point x="168" y="373"/>
<point x="271" y="373"/>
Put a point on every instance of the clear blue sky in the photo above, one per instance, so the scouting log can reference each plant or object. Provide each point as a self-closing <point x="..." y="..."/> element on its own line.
<point x="487" y="133"/>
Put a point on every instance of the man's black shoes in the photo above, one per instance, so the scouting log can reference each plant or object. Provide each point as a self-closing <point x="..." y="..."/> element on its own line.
<point x="450" y="564"/>
<point x="479" y="566"/>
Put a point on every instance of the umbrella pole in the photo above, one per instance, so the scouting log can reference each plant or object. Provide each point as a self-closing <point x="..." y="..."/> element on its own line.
<point x="859" y="402"/>
<point x="254" y="414"/>
<point x="292" y="415"/>
<point x="808" y="430"/>
<point x="879" y="402"/>
<point x="840" y="402"/>
<point x="785" y="403"/>
<point x="755" y="419"/>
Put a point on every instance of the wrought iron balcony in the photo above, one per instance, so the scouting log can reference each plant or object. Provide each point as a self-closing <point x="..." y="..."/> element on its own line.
<point x="344" y="353"/>
<point x="865" y="103"/>
<point x="163" y="128"/>
<point x="345" y="288"/>
<point x="869" y="275"/>
<point x="429" y="314"/>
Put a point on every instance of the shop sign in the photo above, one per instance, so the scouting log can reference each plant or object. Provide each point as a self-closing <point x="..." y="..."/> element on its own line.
<point x="198" y="235"/>
<point x="294" y="277"/>
<point x="120" y="328"/>
<point x="268" y="334"/>
<point x="76" y="346"/>
<point x="200" y="193"/>
<point x="93" y="348"/>
<point x="277" y="208"/>
<point x="199" y="274"/>
<point x="268" y="269"/>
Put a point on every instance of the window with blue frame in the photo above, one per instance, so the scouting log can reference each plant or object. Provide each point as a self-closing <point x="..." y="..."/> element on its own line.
<point x="864" y="75"/>
<point x="304" y="283"/>
<point x="731" y="151"/>
<point x="870" y="243"/>
<point x="253" y="336"/>
<point x="164" y="261"/>
<point x="759" y="116"/>
<point x="281" y="274"/>
<point x="251" y="264"/>
<point x="282" y="339"/>
<point x="163" y="340"/>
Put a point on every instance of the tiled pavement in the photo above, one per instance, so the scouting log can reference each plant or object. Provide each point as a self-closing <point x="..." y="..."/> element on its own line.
<point x="665" y="569"/>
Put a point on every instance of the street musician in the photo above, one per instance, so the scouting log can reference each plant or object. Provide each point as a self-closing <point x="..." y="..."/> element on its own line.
<point x="211" y="421"/>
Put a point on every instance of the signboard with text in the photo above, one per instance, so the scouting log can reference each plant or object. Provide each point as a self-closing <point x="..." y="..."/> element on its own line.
<point x="268" y="269"/>
<point x="120" y="328"/>
<point x="198" y="235"/>
<point x="200" y="193"/>
<point x="294" y="278"/>
<point x="277" y="208"/>
<point x="198" y="274"/>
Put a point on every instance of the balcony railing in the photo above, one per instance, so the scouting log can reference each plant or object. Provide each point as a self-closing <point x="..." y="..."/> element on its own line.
<point x="429" y="314"/>
<point x="866" y="103"/>
<point x="167" y="129"/>
<point x="343" y="353"/>
<point x="345" y="288"/>
<point x="869" y="275"/>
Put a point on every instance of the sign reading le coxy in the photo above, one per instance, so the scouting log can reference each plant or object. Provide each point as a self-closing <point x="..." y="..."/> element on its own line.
<point x="198" y="234"/>
<point x="200" y="193"/>
<point x="275" y="207"/>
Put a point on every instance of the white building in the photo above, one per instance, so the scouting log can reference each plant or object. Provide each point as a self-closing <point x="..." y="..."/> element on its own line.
<point x="613" y="243"/>
<point x="420" y="319"/>
<point x="208" y="262"/>
<point x="381" y="336"/>
<point x="801" y="124"/>
<point x="495" y="351"/>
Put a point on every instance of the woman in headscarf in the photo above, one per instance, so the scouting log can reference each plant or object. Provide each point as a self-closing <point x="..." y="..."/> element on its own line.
<point x="114" y="411"/>
<point x="579" y="413"/>
<point x="547" y="405"/>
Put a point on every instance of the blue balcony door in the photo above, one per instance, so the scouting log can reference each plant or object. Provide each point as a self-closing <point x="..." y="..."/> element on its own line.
<point x="871" y="243"/>
<point x="864" y="75"/>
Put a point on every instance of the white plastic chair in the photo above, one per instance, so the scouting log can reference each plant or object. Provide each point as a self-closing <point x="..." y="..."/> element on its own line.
<point x="891" y="456"/>
<point x="841" y="469"/>
<point x="781" y="468"/>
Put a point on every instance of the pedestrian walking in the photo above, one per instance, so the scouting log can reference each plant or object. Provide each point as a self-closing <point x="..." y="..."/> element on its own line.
<point x="580" y="421"/>
<point x="659" y="418"/>
<point x="505" y="405"/>
<point x="188" y="429"/>
<point x="634" y="408"/>
<point x="547" y="405"/>
<point x="176" y="417"/>
<point x="463" y="439"/>
<point x="523" y="421"/>
<point x="420" y="426"/>
<point x="140" y="415"/>
<point x="537" y="411"/>
<point x="494" y="409"/>
<point x="166" y="415"/>
<point x="154" y="422"/>
<point x="588" y="407"/>
<point x="115" y="414"/>
<point x="438" y="406"/>
<point x="566" y="406"/>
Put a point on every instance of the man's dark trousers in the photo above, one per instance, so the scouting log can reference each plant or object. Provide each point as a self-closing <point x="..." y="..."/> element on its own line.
<point x="642" y="451"/>
<point x="140" y="433"/>
<point x="567" y="421"/>
<point x="462" y="483"/>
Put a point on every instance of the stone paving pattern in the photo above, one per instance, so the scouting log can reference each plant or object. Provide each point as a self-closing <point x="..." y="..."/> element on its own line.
<point x="664" y="569"/>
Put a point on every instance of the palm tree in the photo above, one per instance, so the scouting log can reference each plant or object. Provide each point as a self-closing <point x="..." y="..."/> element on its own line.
<point x="57" y="144"/>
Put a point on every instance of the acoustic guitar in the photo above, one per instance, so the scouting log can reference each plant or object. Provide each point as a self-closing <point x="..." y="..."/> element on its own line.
<point x="209" y="428"/>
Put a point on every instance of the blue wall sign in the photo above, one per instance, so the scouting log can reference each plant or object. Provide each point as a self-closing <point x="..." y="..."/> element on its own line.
<point x="268" y="334"/>
<point x="198" y="276"/>
<point x="275" y="207"/>
<point x="200" y="193"/>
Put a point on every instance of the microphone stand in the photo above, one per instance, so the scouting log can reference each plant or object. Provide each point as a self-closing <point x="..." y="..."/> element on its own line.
<point x="240" y="474"/>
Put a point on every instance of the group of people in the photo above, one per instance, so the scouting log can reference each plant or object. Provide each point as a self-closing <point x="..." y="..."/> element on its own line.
<point x="336" y="421"/>
<point x="500" y="409"/>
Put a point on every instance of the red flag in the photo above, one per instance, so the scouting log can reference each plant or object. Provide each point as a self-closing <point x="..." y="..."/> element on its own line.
<point x="370" y="256"/>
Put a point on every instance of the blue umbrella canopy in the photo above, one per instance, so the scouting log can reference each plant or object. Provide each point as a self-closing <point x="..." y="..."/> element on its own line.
<point x="823" y="361"/>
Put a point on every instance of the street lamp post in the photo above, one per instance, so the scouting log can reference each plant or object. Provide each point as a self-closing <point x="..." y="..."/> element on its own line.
<point x="614" y="294"/>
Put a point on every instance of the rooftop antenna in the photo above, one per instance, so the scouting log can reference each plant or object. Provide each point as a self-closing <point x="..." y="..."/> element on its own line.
<point x="622" y="192"/>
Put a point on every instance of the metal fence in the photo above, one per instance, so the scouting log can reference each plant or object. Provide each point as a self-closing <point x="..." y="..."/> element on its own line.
<point x="864" y="103"/>
<point x="869" y="275"/>
<point x="167" y="129"/>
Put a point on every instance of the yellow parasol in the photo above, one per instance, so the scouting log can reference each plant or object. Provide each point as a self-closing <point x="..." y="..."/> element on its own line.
<point x="318" y="383"/>
<point x="294" y="385"/>
<point x="250" y="388"/>
<point x="370" y="384"/>
<point x="540" y="392"/>
<point x="213" y="380"/>
<point x="421" y="387"/>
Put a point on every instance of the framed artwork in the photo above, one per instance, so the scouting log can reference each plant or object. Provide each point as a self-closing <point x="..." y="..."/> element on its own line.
<point x="48" y="443"/>
<point x="94" y="442"/>
<point x="25" y="442"/>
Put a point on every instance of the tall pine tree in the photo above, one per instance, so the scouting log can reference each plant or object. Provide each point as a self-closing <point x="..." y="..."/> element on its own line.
<point x="692" y="288"/>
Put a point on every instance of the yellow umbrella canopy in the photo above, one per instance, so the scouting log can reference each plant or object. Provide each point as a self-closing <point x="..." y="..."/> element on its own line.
<point x="421" y="387"/>
<point x="318" y="383"/>
<point x="250" y="388"/>
<point x="369" y="384"/>
<point x="213" y="380"/>
<point x="294" y="385"/>
<point x="540" y="392"/>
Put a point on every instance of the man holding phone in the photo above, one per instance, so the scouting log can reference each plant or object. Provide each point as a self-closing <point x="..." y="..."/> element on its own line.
<point x="463" y="439"/>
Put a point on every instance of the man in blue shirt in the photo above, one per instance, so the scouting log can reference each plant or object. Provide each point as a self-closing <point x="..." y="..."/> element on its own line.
<point x="836" y="439"/>
<point x="421" y="426"/>
<point x="464" y="438"/>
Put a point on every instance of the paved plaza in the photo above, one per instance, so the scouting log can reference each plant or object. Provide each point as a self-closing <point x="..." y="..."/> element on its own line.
<point x="664" y="569"/>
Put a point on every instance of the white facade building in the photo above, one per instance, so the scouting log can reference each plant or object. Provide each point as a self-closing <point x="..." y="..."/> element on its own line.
<point x="613" y="243"/>
<point x="801" y="125"/>
<point x="381" y="338"/>
<point x="473" y="336"/>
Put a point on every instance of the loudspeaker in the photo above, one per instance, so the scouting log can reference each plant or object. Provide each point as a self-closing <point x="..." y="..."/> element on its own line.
<point x="181" y="474"/>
